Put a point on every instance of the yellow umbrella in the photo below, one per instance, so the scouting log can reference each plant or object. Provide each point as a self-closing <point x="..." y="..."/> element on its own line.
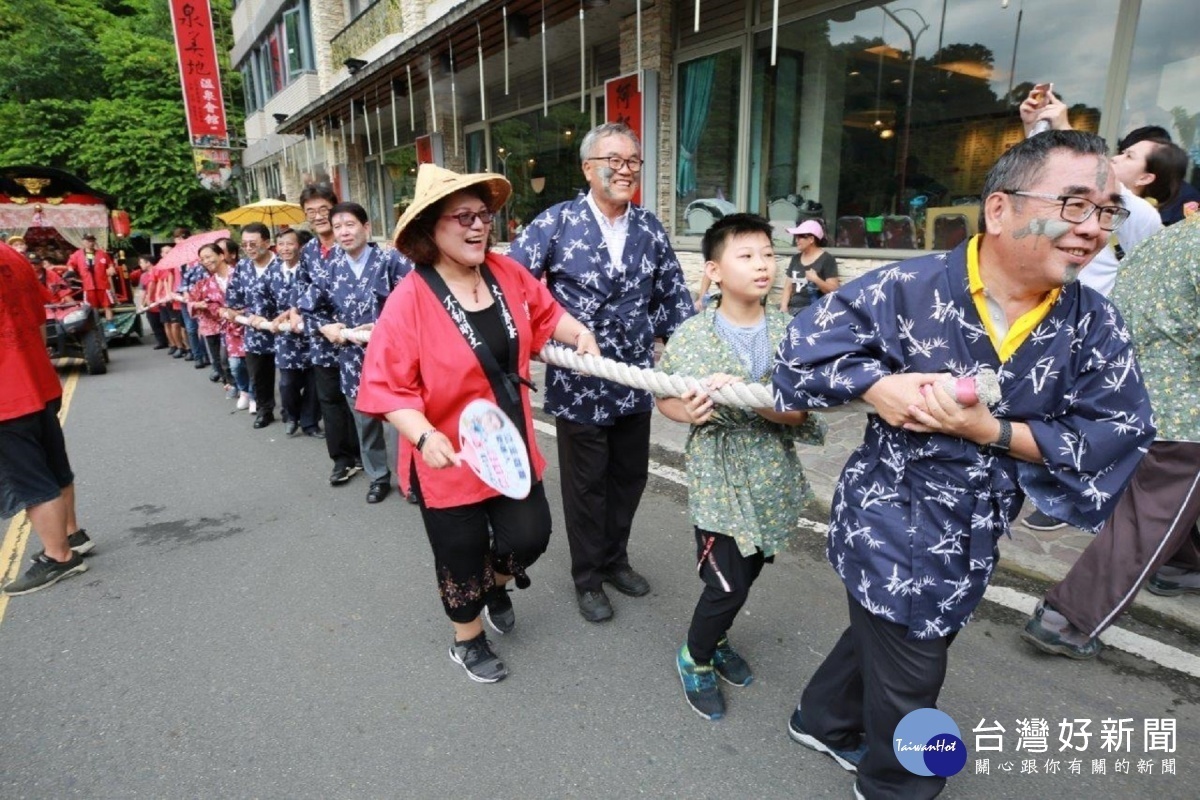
<point x="269" y="212"/>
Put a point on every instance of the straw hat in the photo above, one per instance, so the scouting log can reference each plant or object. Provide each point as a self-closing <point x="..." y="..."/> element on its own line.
<point x="14" y="239"/>
<point x="435" y="184"/>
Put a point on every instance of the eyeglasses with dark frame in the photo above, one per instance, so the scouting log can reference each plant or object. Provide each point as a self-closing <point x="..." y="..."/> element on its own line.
<point x="467" y="218"/>
<point x="1079" y="209"/>
<point x="616" y="163"/>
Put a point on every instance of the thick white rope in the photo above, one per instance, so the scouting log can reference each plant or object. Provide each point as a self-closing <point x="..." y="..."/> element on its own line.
<point x="660" y="384"/>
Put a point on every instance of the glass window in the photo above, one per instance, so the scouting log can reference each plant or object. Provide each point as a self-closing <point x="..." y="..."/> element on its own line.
<point x="379" y="227"/>
<point x="295" y="56"/>
<point x="1164" y="78"/>
<point x="882" y="116"/>
<point x="401" y="166"/>
<point x="476" y="151"/>
<point x="540" y="157"/>
<point x="706" y="140"/>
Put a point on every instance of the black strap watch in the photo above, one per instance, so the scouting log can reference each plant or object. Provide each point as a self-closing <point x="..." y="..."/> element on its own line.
<point x="1005" y="441"/>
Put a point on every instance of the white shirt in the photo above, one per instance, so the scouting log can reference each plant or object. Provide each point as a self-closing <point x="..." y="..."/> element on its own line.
<point x="615" y="232"/>
<point x="1143" y="222"/>
<point x="358" y="265"/>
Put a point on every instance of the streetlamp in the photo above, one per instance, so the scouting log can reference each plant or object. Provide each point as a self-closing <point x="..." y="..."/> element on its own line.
<point x="912" y="74"/>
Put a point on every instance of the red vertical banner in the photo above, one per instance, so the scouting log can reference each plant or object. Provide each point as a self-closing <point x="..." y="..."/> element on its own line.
<point x="199" y="72"/>
<point x="623" y="104"/>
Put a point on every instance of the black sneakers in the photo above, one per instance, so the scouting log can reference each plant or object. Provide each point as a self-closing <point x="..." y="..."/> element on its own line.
<point x="79" y="542"/>
<point x="498" y="610"/>
<point x="730" y="666"/>
<point x="476" y="657"/>
<point x="45" y="572"/>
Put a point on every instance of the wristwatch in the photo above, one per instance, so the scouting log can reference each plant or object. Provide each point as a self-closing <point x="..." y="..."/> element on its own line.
<point x="1005" y="441"/>
<point x="424" y="436"/>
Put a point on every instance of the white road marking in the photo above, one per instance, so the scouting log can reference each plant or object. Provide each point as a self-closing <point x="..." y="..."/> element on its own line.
<point x="1162" y="654"/>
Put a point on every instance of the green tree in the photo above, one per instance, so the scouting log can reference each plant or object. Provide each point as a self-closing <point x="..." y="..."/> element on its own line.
<point x="92" y="87"/>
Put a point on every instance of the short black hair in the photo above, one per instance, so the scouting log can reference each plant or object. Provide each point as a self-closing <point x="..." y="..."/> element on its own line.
<point x="721" y="231"/>
<point x="1154" y="133"/>
<point x="259" y="228"/>
<point x="348" y="207"/>
<point x="318" y="191"/>
<point x="229" y="246"/>
<point x="288" y="232"/>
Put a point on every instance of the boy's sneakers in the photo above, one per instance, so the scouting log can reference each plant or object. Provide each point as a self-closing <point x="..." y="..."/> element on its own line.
<point x="45" y="572"/>
<point x="476" y="657"/>
<point x="846" y="759"/>
<point x="1051" y="632"/>
<point x="79" y="542"/>
<point x="1174" y="581"/>
<point x="243" y="401"/>
<point x="498" y="610"/>
<point x="730" y="666"/>
<point x="700" y="685"/>
<point x="253" y="407"/>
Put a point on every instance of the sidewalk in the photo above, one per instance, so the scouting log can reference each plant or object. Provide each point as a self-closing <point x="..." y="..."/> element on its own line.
<point x="1043" y="556"/>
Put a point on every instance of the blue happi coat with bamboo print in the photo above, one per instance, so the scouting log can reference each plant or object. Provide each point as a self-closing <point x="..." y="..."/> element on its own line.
<point x="352" y="300"/>
<point x="245" y="291"/>
<point x="281" y="291"/>
<point x="626" y="305"/>
<point x="314" y="261"/>
<point x="916" y="517"/>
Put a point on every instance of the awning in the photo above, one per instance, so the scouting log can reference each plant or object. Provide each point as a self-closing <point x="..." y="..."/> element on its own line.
<point x="460" y="29"/>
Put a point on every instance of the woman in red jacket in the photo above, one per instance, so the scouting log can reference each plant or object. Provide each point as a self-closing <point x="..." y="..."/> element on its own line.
<point x="463" y="326"/>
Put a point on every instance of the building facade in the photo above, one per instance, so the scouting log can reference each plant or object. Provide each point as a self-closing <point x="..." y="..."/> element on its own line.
<point x="881" y="119"/>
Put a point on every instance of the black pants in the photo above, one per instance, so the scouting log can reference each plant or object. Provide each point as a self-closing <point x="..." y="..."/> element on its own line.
<point x="156" y="327"/>
<point x="871" y="679"/>
<point x="262" y="380"/>
<point x="603" y="471"/>
<point x="298" y="397"/>
<point x="472" y="543"/>
<point x="728" y="576"/>
<point x="219" y="358"/>
<point x="341" y="437"/>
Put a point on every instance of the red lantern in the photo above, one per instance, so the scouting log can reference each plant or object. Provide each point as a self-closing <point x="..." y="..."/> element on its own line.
<point x="120" y="223"/>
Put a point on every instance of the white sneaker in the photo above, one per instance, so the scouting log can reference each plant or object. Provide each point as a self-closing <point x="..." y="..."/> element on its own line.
<point x="243" y="400"/>
<point x="253" y="407"/>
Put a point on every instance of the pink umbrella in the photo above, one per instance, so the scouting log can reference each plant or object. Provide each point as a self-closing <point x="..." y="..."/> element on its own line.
<point x="188" y="251"/>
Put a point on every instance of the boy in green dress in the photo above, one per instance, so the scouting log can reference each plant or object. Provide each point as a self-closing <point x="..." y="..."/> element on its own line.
<point x="745" y="484"/>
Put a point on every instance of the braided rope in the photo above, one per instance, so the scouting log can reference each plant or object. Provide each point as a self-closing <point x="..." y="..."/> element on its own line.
<point x="660" y="384"/>
<point x="740" y="395"/>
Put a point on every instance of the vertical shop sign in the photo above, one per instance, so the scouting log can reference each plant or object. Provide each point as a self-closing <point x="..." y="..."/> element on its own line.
<point x="199" y="73"/>
<point x="626" y="104"/>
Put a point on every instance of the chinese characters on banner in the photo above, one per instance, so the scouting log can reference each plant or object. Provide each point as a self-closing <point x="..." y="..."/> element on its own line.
<point x="199" y="73"/>
<point x="623" y="104"/>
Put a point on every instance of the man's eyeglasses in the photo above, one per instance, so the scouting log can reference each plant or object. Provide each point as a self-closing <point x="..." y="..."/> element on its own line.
<point x="317" y="213"/>
<point x="616" y="163"/>
<point x="467" y="218"/>
<point x="1079" y="209"/>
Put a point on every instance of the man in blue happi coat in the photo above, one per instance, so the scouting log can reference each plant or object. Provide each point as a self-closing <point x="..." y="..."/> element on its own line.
<point x="921" y="504"/>
<point x="608" y="262"/>
<point x="245" y="296"/>
<point x="350" y="295"/>
<point x="278" y="295"/>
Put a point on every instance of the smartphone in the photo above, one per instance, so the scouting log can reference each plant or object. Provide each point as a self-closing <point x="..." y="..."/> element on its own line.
<point x="1041" y="96"/>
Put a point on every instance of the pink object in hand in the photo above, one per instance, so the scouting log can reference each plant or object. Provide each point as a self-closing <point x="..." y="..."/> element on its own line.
<point x="964" y="392"/>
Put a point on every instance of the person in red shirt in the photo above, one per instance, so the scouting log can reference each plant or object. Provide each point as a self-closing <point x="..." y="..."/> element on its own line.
<point x="439" y="344"/>
<point x="35" y="473"/>
<point x="97" y="270"/>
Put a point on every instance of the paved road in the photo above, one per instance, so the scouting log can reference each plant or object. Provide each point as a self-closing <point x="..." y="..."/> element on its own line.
<point x="246" y="630"/>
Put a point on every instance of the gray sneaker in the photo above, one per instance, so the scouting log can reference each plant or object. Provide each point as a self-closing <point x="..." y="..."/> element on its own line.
<point x="476" y="657"/>
<point x="1059" y="639"/>
<point x="45" y="572"/>
<point x="498" y="610"/>
<point x="1174" y="581"/>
